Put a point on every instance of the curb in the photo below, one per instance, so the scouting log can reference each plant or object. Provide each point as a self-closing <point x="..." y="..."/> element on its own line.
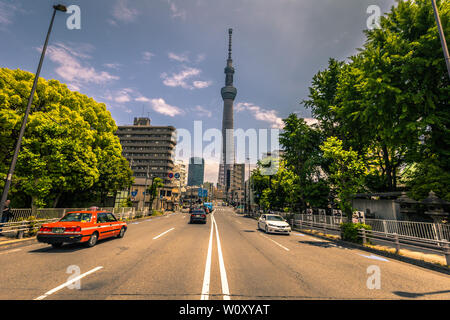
<point x="5" y="245"/>
<point x="416" y="262"/>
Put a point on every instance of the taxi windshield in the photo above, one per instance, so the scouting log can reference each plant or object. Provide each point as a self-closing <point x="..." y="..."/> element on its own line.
<point x="76" y="217"/>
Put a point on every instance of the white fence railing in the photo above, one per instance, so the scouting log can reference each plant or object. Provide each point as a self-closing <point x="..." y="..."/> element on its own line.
<point x="432" y="237"/>
<point x="423" y="230"/>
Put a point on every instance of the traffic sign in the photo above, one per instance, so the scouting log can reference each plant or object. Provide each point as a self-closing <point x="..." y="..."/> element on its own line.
<point x="203" y="193"/>
<point x="170" y="175"/>
<point x="134" y="193"/>
<point x="177" y="175"/>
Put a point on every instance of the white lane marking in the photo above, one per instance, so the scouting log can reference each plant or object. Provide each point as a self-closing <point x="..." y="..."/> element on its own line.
<point x="162" y="234"/>
<point x="275" y="242"/>
<point x="10" y="251"/>
<point x="207" y="276"/>
<point x="238" y="222"/>
<point x="374" y="257"/>
<point x="299" y="234"/>
<point x="223" y="273"/>
<point x="45" y="295"/>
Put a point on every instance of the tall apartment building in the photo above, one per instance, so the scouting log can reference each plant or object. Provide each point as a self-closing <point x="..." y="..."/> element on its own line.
<point x="150" y="151"/>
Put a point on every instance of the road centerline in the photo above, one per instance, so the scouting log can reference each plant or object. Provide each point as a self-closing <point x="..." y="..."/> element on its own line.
<point x="223" y="273"/>
<point x="207" y="275"/>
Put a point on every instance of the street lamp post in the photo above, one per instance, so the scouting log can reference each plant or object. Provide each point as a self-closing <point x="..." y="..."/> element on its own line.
<point x="247" y="198"/>
<point x="58" y="7"/>
<point x="441" y="35"/>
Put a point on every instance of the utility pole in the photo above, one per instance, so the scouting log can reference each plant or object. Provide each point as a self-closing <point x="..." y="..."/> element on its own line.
<point x="441" y="35"/>
<point x="58" y="7"/>
<point x="145" y="188"/>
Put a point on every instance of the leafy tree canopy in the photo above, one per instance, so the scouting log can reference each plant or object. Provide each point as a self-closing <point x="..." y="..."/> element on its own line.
<point x="69" y="144"/>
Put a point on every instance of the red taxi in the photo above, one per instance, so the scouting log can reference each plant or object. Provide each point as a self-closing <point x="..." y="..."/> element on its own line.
<point x="82" y="227"/>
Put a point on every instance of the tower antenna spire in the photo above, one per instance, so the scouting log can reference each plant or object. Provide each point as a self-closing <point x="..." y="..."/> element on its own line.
<point x="230" y="33"/>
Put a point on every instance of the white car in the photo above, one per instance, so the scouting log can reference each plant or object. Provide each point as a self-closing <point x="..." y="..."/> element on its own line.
<point x="273" y="223"/>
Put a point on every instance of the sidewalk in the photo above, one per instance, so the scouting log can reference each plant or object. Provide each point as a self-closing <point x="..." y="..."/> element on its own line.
<point x="430" y="261"/>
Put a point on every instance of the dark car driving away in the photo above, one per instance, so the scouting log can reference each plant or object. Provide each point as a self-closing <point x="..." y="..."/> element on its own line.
<point x="198" y="215"/>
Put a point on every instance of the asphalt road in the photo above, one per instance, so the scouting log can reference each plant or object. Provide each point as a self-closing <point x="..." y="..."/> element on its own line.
<point x="227" y="258"/>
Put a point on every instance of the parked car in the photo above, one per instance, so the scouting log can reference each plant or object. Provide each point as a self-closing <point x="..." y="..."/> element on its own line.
<point x="82" y="227"/>
<point x="273" y="223"/>
<point x="198" y="215"/>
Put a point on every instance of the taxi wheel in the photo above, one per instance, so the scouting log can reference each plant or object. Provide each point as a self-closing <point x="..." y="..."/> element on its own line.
<point x="266" y="229"/>
<point x="92" y="240"/>
<point x="121" y="233"/>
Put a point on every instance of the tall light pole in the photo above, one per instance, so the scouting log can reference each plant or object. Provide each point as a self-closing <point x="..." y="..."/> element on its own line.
<point x="442" y="36"/>
<point x="58" y="7"/>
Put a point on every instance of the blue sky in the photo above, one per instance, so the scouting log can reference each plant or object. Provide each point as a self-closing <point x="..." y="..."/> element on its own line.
<point x="165" y="58"/>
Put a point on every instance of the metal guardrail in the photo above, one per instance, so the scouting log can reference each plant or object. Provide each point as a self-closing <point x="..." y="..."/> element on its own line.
<point x="20" y="228"/>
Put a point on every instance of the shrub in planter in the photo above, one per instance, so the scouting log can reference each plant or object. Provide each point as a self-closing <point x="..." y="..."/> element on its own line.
<point x="349" y="232"/>
<point x="31" y="225"/>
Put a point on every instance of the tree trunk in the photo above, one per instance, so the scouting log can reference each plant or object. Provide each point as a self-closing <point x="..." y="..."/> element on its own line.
<point x="55" y="203"/>
<point x="388" y="166"/>
<point x="33" y="206"/>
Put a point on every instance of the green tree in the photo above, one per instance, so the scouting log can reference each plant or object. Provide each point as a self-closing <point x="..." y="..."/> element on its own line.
<point x="157" y="183"/>
<point x="390" y="101"/>
<point x="69" y="146"/>
<point x="303" y="156"/>
<point x="346" y="172"/>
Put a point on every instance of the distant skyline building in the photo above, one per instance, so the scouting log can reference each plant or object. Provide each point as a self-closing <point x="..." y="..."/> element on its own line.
<point x="180" y="168"/>
<point x="196" y="171"/>
<point x="228" y="95"/>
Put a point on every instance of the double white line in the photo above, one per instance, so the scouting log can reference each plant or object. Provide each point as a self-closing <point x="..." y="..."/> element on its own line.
<point x="223" y="273"/>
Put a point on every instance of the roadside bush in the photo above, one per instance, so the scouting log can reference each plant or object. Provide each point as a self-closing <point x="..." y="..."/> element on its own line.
<point x="157" y="213"/>
<point x="32" y="226"/>
<point x="349" y="232"/>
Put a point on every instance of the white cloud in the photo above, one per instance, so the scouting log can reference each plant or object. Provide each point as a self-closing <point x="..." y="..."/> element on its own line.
<point x="72" y="69"/>
<point x="177" y="57"/>
<point x="7" y="13"/>
<point x="121" y="96"/>
<point x="202" y="111"/>
<point x="115" y="66"/>
<point x="201" y="84"/>
<point x="261" y="114"/>
<point x="179" y="79"/>
<point x="160" y="106"/>
<point x="123" y="12"/>
<point x="176" y="11"/>
<point x="147" y="55"/>
<point x="310" y="121"/>
<point x="142" y="99"/>
<point x="200" y="57"/>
